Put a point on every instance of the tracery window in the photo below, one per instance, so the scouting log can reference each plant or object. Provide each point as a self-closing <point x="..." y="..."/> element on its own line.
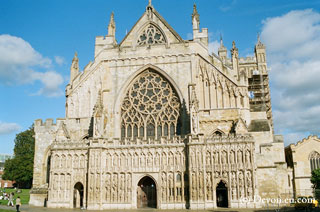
<point x="150" y="108"/>
<point x="151" y="35"/>
<point x="314" y="160"/>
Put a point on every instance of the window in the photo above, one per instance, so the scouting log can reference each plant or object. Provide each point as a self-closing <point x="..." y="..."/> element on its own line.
<point x="314" y="158"/>
<point x="151" y="35"/>
<point x="150" y="105"/>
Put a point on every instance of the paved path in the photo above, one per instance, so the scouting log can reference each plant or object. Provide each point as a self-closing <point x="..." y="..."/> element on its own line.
<point x="27" y="208"/>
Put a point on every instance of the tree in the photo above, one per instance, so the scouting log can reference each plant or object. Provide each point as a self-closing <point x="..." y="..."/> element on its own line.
<point x="20" y="168"/>
<point x="315" y="180"/>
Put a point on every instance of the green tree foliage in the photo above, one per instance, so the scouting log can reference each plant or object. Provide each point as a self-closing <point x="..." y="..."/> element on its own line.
<point x="315" y="180"/>
<point x="20" y="168"/>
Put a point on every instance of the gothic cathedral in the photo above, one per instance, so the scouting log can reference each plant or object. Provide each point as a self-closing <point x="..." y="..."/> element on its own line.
<point x="158" y="121"/>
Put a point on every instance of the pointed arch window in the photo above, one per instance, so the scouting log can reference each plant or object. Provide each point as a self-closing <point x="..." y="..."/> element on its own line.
<point x="314" y="158"/>
<point x="150" y="105"/>
<point x="151" y="35"/>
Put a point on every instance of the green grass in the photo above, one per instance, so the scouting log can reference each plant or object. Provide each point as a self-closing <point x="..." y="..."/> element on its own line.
<point x="24" y="196"/>
<point x="4" y="210"/>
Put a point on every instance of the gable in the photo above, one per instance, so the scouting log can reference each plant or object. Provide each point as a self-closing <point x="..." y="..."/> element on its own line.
<point x="153" y="25"/>
<point x="241" y="127"/>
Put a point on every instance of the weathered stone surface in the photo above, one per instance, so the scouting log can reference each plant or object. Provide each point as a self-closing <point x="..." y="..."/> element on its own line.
<point x="161" y="108"/>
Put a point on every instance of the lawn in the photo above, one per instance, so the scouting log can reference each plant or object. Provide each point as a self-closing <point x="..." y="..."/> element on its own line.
<point x="4" y="210"/>
<point x="24" y="196"/>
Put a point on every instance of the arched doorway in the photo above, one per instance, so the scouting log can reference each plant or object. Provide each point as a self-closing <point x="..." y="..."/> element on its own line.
<point x="222" y="195"/>
<point x="147" y="193"/>
<point x="78" y="195"/>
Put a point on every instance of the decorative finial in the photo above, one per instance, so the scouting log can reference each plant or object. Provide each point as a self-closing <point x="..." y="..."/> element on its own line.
<point x="112" y="26"/>
<point x="221" y="41"/>
<point x="234" y="45"/>
<point x="195" y="12"/>
<point x="75" y="57"/>
<point x="195" y="8"/>
<point x="150" y="2"/>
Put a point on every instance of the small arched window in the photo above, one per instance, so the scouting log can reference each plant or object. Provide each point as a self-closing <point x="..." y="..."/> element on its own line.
<point x="314" y="159"/>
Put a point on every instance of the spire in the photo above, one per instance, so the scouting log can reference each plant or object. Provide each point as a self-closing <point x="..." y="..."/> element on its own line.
<point x="221" y="42"/>
<point x="259" y="43"/>
<point x="234" y="50"/>
<point x="222" y="51"/>
<point x="112" y="26"/>
<point x="75" y="57"/>
<point x="195" y="18"/>
<point x="74" y="70"/>
<point x="150" y="3"/>
<point x="235" y="59"/>
<point x="195" y="13"/>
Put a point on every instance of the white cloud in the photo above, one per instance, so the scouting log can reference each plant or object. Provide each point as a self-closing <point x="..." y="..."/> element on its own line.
<point x="17" y="63"/>
<point x="214" y="46"/>
<point x="7" y="128"/>
<point x="59" y="60"/>
<point x="292" y="42"/>
<point x="51" y="81"/>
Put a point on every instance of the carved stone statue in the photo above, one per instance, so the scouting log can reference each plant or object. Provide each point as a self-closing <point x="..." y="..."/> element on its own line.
<point x="249" y="181"/>
<point x="194" y="186"/>
<point x="234" y="181"/>
<point x="149" y="160"/>
<point x="232" y="157"/>
<point x="156" y="160"/>
<point x="224" y="157"/>
<point x="239" y="155"/>
<point x="208" y="159"/>
<point x="241" y="179"/>
<point x="216" y="158"/>
<point x="108" y="187"/>
<point x="209" y="186"/>
<point x="114" y="188"/>
<point x="171" y="186"/>
<point x="248" y="160"/>
<point x="164" y="187"/>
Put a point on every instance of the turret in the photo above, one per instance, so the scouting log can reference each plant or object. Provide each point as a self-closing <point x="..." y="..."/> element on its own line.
<point x="235" y="59"/>
<point x="222" y="51"/>
<point x="109" y="41"/>
<point x="260" y="53"/>
<point x="74" y="70"/>
<point x="198" y="35"/>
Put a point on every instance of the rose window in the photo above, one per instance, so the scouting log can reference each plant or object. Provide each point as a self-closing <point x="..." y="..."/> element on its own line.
<point x="150" y="107"/>
<point x="151" y="35"/>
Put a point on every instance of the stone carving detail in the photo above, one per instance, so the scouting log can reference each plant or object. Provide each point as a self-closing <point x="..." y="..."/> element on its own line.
<point x="164" y="187"/>
<point x="209" y="186"/>
<point x="207" y="167"/>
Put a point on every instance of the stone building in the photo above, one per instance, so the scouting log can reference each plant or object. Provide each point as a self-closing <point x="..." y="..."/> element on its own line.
<point x="5" y="183"/>
<point x="158" y="121"/>
<point x="303" y="158"/>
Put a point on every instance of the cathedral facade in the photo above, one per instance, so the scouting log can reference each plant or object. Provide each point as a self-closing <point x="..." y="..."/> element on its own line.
<point x="158" y="121"/>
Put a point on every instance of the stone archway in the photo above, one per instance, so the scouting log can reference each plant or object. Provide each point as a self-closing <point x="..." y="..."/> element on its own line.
<point x="147" y="193"/>
<point x="78" y="195"/>
<point x="222" y="195"/>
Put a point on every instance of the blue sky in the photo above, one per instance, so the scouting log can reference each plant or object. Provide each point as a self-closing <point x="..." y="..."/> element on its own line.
<point x="38" y="40"/>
